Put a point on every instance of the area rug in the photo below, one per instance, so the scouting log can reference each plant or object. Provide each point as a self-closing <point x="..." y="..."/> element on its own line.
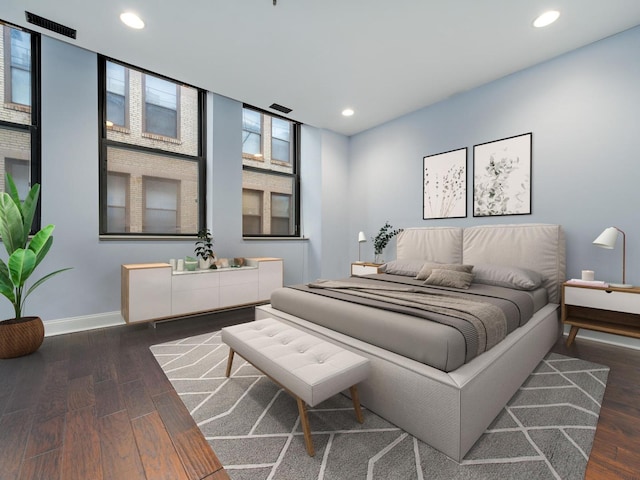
<point x="545" y="432"/>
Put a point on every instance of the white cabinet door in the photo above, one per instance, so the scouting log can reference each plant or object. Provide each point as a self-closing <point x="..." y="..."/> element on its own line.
<point x="149" y="293"/>
<point x="193" y="293"/>
<point x="271" y="276"/>
<point x="238" y="287"/>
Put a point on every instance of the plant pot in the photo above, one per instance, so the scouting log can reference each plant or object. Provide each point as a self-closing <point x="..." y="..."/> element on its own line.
<point x="20" y="336"/>
<point x="204" y="263"/>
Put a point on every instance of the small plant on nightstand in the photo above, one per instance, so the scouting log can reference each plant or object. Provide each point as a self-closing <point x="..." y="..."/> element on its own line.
<point x="204" y="248"/>
<point x="381" y="240"/>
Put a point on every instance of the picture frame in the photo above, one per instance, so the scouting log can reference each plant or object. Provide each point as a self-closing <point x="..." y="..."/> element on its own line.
<point x="502" y="176"/>
<point x="444" y="185"/>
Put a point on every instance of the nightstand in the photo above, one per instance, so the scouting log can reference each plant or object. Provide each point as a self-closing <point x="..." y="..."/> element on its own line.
<point x="364" y="268"/>
<point x="610" y="310"/>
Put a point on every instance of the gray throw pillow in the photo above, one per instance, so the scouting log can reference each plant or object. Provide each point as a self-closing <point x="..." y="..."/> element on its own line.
<point x="428" y="267"/>
<point x="449" y="278"/>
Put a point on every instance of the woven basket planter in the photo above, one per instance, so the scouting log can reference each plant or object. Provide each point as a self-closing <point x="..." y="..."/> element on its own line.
<point x="20" y="337"/>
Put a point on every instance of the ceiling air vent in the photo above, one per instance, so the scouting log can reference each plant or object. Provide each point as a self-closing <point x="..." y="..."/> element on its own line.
<point x="50" y="25"/>
<point x="280" y="108"/>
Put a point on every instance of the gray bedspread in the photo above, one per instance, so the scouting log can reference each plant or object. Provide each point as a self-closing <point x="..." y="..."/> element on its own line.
<point x="442" y="327"/>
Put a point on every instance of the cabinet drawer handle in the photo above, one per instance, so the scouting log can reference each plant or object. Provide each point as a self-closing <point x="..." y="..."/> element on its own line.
<point x="608" y="291"/>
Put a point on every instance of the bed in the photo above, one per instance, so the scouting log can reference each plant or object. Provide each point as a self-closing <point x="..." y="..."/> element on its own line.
<point x="438" y="386"/>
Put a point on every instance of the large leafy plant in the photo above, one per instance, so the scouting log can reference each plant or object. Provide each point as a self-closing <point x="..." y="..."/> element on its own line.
<point x="16" y="218"/>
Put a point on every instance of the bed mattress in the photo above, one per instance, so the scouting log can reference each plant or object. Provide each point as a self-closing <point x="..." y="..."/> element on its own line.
<point x="429" y="338"/>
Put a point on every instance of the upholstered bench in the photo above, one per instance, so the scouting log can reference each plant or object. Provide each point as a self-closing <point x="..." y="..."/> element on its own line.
<point x="308" y="367"/>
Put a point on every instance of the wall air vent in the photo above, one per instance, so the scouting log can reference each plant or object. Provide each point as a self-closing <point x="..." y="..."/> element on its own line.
<point x="50" y="25"/>
<point x="280" y="108"/>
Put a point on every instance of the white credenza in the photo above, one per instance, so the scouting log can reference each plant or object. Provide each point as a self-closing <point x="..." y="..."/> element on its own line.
<point x="152" y="291"/>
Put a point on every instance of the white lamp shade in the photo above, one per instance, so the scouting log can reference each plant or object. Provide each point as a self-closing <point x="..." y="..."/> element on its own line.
<point x="361" y="237"/>
<point x="607" y="239"/>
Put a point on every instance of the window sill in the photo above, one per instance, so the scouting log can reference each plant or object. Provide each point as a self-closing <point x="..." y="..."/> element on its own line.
<point x="155" y="238"/>
<point x="275" y="238"/>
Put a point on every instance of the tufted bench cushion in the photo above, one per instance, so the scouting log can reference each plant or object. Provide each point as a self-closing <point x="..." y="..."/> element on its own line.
<point x="308" y="367"/>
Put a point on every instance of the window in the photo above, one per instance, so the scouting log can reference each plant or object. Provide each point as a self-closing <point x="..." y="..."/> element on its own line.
<point x="17" y="66"/>
<point x="252" y="212"/>
<point x="161" y="199"/>
<point x="281" y="140"/>
<point x="20" y="173"/>
<point x="117" y="204"/>
<point x="19" y="109"/>
<point x="270" y="198"/>
<point x="152" y="179"/>
<point x="160" y="107"/>
<point x="251" y="132"/>
<point x="117" y="95"/>
<point x="280" y="214"/>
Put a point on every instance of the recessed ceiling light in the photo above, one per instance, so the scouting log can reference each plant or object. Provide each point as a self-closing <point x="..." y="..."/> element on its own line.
<point x="547" y="18"/>
<point x="132" y="20"/>
<point x="347" y="112"/>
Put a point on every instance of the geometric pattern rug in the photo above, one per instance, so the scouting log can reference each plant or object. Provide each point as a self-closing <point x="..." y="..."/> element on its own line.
<point x="545" y="431"/>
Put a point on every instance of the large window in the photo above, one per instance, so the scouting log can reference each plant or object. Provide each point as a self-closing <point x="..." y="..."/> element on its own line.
<point x="270" y="197"/>
<point x="19" y="109"/>
<point x="152" y="153"/>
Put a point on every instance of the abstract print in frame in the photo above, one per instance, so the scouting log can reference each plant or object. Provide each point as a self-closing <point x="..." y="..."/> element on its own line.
<point x="445" y="185"/>
<point x="502" y="177"/>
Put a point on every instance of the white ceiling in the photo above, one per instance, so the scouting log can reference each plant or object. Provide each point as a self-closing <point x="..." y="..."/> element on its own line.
<point x="381" y="58"/>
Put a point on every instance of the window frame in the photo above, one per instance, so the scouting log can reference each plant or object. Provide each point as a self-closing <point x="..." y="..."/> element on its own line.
<point x="294" y="176"/>
<point x="34" y="128"/>
<point x="105" y="143"/>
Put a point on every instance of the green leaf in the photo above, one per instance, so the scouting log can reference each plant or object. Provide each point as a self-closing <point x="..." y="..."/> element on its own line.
<point x="29" y="209"/>
<point x="21" y="265"/>
<point x="6" y="286"/>
<point x="11" y="227"/>
<point x="41" y="243"/>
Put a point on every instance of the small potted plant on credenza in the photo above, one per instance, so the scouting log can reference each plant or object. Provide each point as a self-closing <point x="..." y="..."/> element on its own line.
<point x="204" y="249"/>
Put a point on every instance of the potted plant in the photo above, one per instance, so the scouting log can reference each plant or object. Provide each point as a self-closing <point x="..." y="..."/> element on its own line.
<point x="381" y="240"/>
<point x="204" y="248"/>
<point x="21" y="335"/>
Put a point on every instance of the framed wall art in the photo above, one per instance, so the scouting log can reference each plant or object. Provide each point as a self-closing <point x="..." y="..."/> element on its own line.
<point x="502" y="177"/>
<point x="445" y="185"/>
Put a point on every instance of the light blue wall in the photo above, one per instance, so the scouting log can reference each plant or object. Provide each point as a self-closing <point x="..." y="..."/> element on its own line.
<point x="584" y="111"/>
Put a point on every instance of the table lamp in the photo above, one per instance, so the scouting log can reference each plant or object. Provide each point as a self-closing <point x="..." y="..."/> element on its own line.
<point x="361" y="238"/>
<point x="607" y="239"/>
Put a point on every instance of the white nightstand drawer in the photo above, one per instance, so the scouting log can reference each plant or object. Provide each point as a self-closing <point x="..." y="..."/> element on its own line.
<point x="602" y="299"/>
<point x="364" y="268"/>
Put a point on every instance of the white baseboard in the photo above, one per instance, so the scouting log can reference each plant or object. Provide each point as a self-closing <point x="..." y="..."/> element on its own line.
<point x="82" y="323"/>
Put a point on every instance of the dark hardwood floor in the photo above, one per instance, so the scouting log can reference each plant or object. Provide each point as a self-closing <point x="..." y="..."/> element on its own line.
<point x="95" y="405"/>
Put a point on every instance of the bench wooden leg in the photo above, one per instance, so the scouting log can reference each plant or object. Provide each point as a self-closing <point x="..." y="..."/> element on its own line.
<point x="304" y="420"/>
<point x="230" y="362"/>
<point x="356" y="403"/>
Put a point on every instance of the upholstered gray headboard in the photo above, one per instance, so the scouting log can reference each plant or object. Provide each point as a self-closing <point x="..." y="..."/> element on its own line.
<point x="539" y="247"/>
